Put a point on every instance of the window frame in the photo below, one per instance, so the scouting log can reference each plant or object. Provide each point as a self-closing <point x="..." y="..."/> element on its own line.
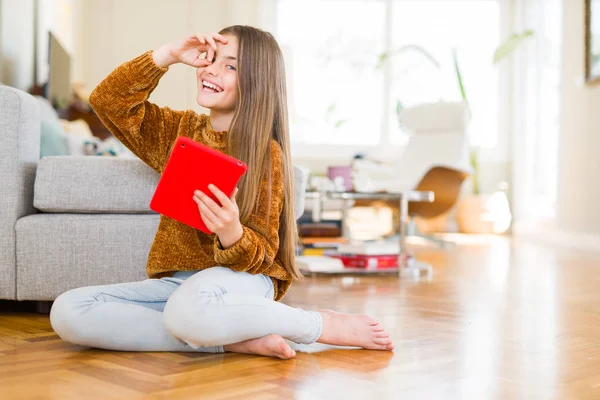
<point x="385" y="149"/>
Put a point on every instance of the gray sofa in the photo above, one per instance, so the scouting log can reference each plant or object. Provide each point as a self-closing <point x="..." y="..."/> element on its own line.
<point x="68" y="221"/>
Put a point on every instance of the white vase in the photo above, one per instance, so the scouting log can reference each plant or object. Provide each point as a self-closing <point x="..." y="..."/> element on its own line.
<point x="487" y="213"/>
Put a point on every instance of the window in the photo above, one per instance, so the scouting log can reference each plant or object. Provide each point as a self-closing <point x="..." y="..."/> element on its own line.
<point x="337" y="93"/>
<point x="472" y="28"/>
<point x="537" y="115"/>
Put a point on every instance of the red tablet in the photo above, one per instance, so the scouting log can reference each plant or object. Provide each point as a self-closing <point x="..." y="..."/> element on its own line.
<point x="193" y="166"/>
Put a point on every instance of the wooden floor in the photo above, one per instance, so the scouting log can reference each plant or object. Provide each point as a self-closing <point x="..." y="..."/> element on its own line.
<point x="497" y="320"/>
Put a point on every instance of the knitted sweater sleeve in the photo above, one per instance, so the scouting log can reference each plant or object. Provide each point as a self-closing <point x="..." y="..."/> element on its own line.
<point x="121" y="103"/>
<point x="255" y="252"/>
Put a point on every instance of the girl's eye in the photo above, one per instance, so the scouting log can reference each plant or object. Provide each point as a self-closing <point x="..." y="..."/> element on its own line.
<point x="232" y="67"/>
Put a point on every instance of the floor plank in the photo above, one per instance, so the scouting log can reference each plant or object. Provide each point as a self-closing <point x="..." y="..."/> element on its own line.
<point x="498" y="319"/>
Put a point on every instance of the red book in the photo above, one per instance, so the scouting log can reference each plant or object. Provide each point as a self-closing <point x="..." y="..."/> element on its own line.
<point x="368" y="262"/>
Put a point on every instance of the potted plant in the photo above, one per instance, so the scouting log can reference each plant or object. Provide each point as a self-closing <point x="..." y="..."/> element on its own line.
<point x="477" y="213"/>
<point x="485" y="213"/>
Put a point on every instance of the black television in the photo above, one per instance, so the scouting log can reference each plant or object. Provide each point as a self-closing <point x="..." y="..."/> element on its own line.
<point x="58" y="90"/>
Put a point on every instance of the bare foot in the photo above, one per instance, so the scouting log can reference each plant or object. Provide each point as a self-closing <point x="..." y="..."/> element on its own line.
<point x="270" y="346"/>
<point x="353" y="330"/>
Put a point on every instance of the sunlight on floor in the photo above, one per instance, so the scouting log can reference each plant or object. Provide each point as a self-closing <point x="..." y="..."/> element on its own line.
<point x="459" y="238"/>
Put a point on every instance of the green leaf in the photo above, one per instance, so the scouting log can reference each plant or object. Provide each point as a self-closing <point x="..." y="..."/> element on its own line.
<point x="399" y="107"/>
<point x="383" y="57"/>
<point x="340" y="123"/>
<point x="329" y="111"/>
<point x="474" y="158"/>
<point x="459" y="79"/>
<point x="511" y="44"/>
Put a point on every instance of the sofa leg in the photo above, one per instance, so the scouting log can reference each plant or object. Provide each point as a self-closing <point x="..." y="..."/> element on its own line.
<point x="43" y="307"/>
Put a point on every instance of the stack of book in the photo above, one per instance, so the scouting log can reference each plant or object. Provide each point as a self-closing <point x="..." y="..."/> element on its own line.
<point x="340" y="256"/>
<point x="368" y="262"/>
<point x="369" y="255"/>
<point x="319" y="229"/>
<point x="313" y="246"/>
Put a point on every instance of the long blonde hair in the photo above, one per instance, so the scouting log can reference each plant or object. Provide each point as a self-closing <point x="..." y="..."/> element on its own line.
<point x="261" y="115"/>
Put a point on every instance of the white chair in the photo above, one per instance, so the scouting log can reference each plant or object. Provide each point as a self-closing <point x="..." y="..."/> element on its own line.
<point x="437" y="139"/>
<point x="435" y="158"/>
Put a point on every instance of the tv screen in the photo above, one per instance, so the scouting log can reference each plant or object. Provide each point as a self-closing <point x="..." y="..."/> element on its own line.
<point x="59" y="76"/>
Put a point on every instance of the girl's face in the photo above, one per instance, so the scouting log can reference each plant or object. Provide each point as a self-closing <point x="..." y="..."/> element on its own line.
<point x="217" y="83"/>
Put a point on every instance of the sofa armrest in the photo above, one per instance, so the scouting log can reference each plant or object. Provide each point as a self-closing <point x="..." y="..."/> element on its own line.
<point x="19" y="154"/>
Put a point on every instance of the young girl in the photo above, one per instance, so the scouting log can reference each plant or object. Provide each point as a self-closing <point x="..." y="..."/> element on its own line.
<point x="219" y="292"/>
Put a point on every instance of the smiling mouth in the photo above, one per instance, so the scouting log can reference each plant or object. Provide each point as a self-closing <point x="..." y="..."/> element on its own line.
<point x="211" y="87"/>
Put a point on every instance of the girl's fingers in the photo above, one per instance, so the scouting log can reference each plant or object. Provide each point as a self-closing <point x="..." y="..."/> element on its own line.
<point x="210" y="55"/>
<point x="201" y="62"/>
<point x="232" y="198"/>
<point x="200" y="38"/>
<point x="217" y="192"/>
<point x="207" y="44"/>
<point x="212" y="206"/>
<point x="220" y="38"/>
<point x="210" y="52"/>
<point x="225" y="201"/>
<point x="207" y="214"/>
<point x="211" y="41"/>
<point x="207" y="222"/>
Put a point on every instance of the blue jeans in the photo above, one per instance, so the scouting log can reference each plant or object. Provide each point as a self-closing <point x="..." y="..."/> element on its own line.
<point x="190" y="311"/>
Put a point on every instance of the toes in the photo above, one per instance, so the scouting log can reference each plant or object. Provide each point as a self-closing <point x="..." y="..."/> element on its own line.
<point x="382" y="341"/>
<point x="289" y="353"/>
<point x="387" y="347"/>
<point x="378" y="330"/>
<point x="383" y="347"/>
<point x="285" y="350"/>
<point x="286" y="355"/>
<point x="368" y="320"/>
<point x="382" y="334"/>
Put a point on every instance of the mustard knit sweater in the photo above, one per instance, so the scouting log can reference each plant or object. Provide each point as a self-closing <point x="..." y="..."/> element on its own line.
<point x="149" y="131"/>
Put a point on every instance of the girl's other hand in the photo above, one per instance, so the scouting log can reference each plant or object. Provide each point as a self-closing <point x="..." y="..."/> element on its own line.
<point x="223" y="220"/>
<point x="188" y="50"/>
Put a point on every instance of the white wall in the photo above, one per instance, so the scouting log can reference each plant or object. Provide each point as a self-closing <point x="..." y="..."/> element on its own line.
<point x="17" y="38"/>
<point x="536" y="109"/>
<point x="110" y="32"/>
<point x="16" y="43"/>
<point x="105" y="33"/>
<point x="579" y="164"/>
<point x="114" y="31"/>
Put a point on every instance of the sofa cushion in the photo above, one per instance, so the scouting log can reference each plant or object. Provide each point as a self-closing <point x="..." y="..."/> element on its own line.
<point x="47" y="112"/>
<point x="68" y="184"/>
<point x="53" y="139"/>
<point x="58" y="252"/>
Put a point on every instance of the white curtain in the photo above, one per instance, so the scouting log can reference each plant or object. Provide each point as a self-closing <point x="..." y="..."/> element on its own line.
<point x="536" y="108"/>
